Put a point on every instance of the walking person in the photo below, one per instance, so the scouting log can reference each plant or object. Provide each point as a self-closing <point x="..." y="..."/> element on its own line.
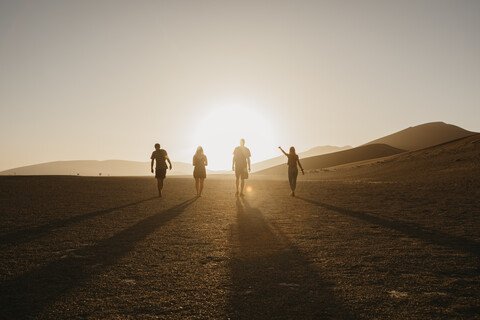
<point x="293" y="160"/>
<point x="160" y="156"/>
<point x="199" y="172"/>
<point x="241" y="159"/>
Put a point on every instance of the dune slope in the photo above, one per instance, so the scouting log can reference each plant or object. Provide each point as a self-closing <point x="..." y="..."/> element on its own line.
<point x="460" y="157"/>
<point x="316" y="151"/>
<point x="423" y="136"/>
<point x="366" y="152"/>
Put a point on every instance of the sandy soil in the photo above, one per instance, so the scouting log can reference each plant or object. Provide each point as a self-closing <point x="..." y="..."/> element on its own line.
<point x="76" y="247"/>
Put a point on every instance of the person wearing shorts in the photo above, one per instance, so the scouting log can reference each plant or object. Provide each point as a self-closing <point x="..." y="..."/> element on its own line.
<point x="160" y="156"/>
<point x="241" y="165"/>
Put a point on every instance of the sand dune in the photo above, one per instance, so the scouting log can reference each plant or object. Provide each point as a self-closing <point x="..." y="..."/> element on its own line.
<point x="366" y="152"/>
<point x="423" y="136"/>
<point x="362" y="240"/>
<point x="413" y="138"/>
<point x="445" y="161"/>
<point x="95" y="168"/>
<point x="309" y="153"/>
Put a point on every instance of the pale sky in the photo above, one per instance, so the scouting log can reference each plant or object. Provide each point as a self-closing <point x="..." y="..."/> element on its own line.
<point x="98" y="80"/>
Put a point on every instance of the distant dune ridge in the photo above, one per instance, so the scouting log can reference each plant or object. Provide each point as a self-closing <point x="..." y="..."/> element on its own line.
<point x="95" y="168"/>
<point x="316" y="151"/>
<point x="413" y="138"/>
<point x="361" y="153"/>
<point x="443" y="162"/>
<point x="423" y="136"/>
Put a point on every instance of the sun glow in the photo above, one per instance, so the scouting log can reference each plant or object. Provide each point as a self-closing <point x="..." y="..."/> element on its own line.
<point x="221" y="129"/>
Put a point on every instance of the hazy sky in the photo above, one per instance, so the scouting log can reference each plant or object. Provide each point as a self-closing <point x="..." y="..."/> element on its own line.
<point x="107" y="79"/>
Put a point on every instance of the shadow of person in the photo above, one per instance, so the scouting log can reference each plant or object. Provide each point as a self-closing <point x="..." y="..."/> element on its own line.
<point x="408" y="228"/>
<point x="271" y="277"/>
<point x="29" y="293"/>
<point x="25" y="235"/>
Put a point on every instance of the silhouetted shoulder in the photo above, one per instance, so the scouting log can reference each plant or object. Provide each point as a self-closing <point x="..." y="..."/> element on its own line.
<point x="241" y="152"/>
<point x="199" y="160"/>
<point x="159" y="154"/>
<point x="292" y="159"/>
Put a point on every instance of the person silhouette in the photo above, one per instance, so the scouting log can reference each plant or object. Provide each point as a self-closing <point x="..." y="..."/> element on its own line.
<point x="292" y="168"/>
<point x="241" y="158"/>
<point x="199" y="172"/>
<point x="160" y="156"/>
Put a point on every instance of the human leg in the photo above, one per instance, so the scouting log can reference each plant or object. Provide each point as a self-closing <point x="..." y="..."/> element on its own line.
<point x="159" y="186"/>
<point x="242" y="186"/>
<point x="160" y="175"/>
<point x="201" y="186"/>
<point x="237" y="180"/>
<point x="197" y="185"/>
<point x="292" y="179"/>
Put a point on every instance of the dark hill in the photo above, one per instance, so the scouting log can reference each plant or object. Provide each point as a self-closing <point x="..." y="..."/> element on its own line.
<point x="361" y="153"/>
<point x="423" y="136"/>
<point x="316" y="151"/>
<point x="453" y="160"/>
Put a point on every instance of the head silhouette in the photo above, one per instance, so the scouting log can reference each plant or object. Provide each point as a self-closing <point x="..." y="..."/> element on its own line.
<point x="292" y="150"/>
<point x="242" y="142"/>
<point x="157" y="146"/>
<point x="199" y="151"/>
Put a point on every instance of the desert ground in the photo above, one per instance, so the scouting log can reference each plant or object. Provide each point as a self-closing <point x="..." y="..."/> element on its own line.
<point x="105" y="247"/>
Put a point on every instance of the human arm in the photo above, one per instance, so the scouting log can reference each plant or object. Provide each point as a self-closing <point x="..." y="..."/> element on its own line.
<point x="283" y="151"/>
<point x="248" y="161"/>
<point x="206" y="161"/>
<point x="300" y="165"/>
<point x="169" y="162"/>
<point x="151" y="166"/>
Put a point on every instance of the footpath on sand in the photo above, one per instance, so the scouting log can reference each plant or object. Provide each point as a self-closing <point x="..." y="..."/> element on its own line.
<point x="106" y="248"/>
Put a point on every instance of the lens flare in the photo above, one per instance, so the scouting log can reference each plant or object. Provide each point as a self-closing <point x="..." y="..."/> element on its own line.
<point x="249" y="189"/>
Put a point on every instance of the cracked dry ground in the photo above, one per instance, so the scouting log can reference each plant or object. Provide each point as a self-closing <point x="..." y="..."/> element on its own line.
<point x="77" y="247"/>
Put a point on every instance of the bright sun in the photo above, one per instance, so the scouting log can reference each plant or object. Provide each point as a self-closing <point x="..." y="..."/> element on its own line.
<point x="220" y="131"/>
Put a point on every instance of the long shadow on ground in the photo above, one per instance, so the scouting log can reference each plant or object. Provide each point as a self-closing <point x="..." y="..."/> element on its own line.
<point x="24" y="235"/>
<point x="408" y="228"/>
<point x="31" y="292"/>
<point x="271" y="277"/>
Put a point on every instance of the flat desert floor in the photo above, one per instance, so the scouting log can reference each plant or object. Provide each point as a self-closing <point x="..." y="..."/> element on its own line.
<point x="79" y="247"/>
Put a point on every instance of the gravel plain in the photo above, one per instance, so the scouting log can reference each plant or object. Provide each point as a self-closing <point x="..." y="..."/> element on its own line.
<point x="106" y="247"/>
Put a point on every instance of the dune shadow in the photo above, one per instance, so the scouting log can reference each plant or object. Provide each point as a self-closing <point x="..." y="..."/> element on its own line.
<point x="29" y="293"/>
<point x="24" y="235"/>
<point x="408" y="228"/>
<point x="271" y="277"/>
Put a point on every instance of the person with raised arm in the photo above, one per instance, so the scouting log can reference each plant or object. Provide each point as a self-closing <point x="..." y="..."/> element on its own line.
<point x="293" y="160"/>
